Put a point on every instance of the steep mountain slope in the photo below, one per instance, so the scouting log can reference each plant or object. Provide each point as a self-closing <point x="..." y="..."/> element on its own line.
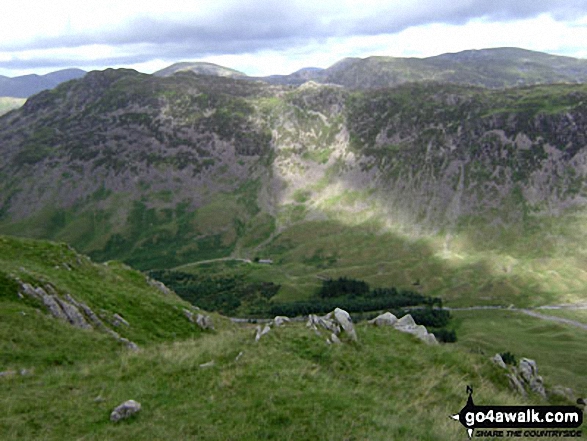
<point x="27" y="85"/>
<point x="485" y="187"/>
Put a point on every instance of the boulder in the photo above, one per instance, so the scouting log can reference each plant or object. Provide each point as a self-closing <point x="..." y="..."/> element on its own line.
<point x="280" y="320"/>
<point x="344" y="320"/>
<point x="125" y="410"/>
<point x="407" y="321"/>
<point x="499" y="361"/>
<point x="386" y="319"/>
<point x="117" y="320"/>
<point x="204" y="322"/>
<point x="260" y="333"/>
<point x="407" y="324"/>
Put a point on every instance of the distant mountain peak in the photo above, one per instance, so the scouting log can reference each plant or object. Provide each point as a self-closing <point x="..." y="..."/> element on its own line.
<point x="201" y="68"/>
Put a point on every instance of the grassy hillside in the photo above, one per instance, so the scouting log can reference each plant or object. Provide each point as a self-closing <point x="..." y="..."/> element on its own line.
<point x="289" y="385"/>
<point x="30" y="337"/>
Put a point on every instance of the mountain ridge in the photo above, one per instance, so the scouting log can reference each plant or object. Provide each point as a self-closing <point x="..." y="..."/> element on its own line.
<point x="166" y="171"/>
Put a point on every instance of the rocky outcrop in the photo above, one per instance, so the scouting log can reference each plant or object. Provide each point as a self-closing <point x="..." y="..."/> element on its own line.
<point x="405" y="324"/>
<point x="70" y="310"/>
<point x="344" y="320"/>
<point x="386" y="319"/>
<point x="523" y="378"/>
<point x="125" y="410"/>
<point x="337" y="322"/>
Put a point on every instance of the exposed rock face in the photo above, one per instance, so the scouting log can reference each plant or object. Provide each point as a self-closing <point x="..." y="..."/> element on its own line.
<point x="125" y="410"/>
<point x="76" y="313"/>
<point x="407" y="324"/>
<point x="344" y="319"/>
<point x="386" y="319"/>
<point x="524" y="378"/>
<point x="529" y="373"/>
<point x="58" y="307"/>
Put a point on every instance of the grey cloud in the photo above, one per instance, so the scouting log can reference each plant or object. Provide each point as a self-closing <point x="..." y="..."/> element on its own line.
<point x="271" y="24"/>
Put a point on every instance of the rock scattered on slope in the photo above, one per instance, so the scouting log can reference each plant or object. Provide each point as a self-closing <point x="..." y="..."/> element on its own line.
<point x="160" y="286"/>
<point x="344" y="319"/>
<point x="280" y="320"/>
<point x="117" y="320"/>
<point x="125" y="410"/>
<point x="72" y="311"/>
<point x="336" y="322"/>
<point x="204" y="322"/>
<point x="524" y="378"/>
<point x="386" y="319"/>
<point x="261" y="332"/>
<point x="405" y="324"/>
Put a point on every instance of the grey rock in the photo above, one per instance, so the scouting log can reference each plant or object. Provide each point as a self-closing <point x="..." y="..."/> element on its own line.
<point x="204" y="322"/>
<point x="280" y="320"/>
<point x="344" y="320"/>
<point x="528" y="369"/>
<point x="407" y="321"/>
<point x="207" y="365"/>
<point x="72" y="314"/>
<point x="239" y="356"/>
<point x="516" y="384"/>
<point x="160" y="286"/>
<point x="117" y="320"/>
<point x="499" y="361"/>
<point x="261" y="332"/>
<point x="386" y="319"/>
<point x="125" y="410"/>
<point x="189" y="315"/>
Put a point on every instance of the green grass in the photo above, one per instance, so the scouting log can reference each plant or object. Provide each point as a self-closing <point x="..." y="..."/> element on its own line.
<point x="290" y="385"/>
<point x="28" y="335"/>
<point x="576" y="315"/>
<point x="558" y="349"/>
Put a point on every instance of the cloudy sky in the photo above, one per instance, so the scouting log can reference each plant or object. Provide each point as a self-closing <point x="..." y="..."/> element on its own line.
<point x="261" y="37"/>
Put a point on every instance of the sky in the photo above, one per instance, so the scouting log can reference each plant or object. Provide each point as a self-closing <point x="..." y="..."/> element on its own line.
<point x="263" y="37"/>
